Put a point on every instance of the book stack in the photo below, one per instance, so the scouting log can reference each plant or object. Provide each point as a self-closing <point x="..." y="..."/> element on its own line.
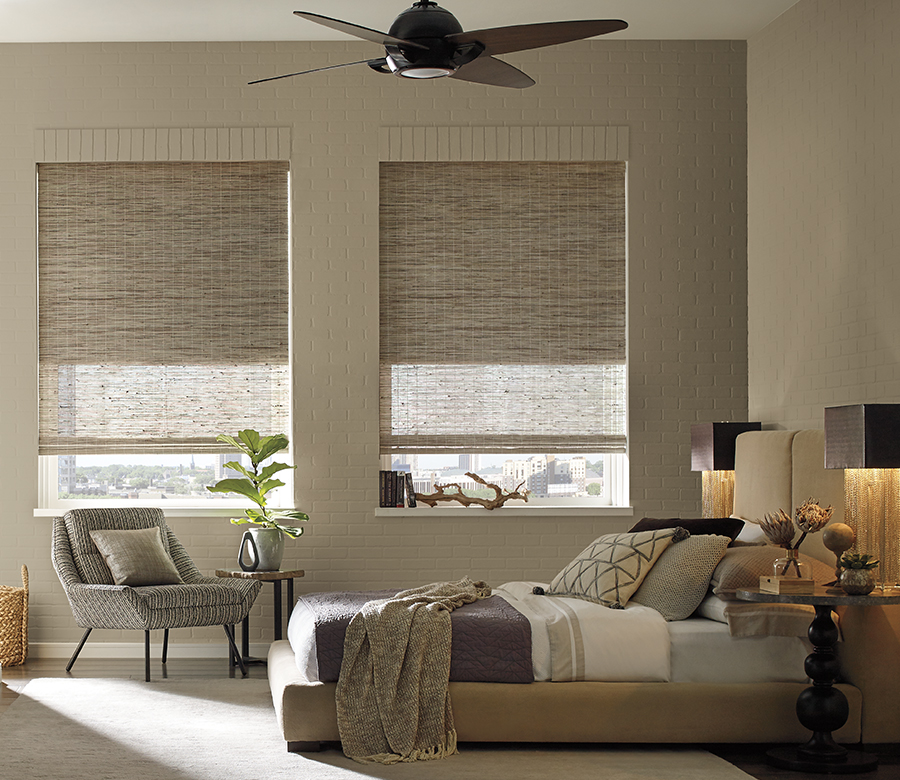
<point x="395" y="489"/>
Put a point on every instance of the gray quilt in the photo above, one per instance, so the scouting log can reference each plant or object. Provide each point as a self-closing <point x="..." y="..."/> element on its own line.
<point x="491" y="639"/>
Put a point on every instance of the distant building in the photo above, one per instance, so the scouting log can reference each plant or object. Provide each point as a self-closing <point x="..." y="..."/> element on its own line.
<point x="66" y="470"/>
<point x="545" y="475"/>
<point x="224" y="457"/>
<point x="405" y="462"/>
<point x="470" y="463"/>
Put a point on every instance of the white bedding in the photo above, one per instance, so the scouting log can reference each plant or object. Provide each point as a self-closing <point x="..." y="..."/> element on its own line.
<point x="703" y="651"/>
<point x="574" y="639"/>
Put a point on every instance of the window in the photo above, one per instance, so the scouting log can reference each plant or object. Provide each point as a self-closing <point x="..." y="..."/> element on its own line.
<point x="163" y="319"/>
<point x="503" y="310"/>
<point x="578" y="478"/>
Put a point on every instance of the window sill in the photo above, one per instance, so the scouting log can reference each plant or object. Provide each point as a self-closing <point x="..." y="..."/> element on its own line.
<point x="540" y="510"/>
<point x="171" y="510"/>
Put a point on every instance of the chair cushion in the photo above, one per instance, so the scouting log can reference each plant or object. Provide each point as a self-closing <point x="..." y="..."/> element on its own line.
<point x="212" y="602"/>
<point x="136" y="557"/>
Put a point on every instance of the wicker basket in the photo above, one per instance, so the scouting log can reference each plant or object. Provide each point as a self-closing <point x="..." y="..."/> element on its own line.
<point x="14" y="622"/>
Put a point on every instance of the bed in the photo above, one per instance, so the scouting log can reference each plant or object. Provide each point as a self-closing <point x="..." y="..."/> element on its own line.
<point x="728" y="672"/>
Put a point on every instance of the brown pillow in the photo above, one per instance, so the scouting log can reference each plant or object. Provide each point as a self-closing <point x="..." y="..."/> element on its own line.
<point x="136" y="557"/>
<point x="743" y="566"/>
<point x="718" y="526"/>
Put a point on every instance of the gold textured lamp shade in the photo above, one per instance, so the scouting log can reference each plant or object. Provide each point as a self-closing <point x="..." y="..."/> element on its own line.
<point x="864" y="440"/>
<point x="712" y="452"/>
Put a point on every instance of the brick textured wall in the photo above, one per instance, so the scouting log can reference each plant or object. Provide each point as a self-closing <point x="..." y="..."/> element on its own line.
<point x="824" y="326"/>
<point x="684" y="105"/>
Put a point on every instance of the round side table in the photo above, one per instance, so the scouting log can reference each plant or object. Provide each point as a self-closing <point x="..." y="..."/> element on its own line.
<point x="822" y="708"/>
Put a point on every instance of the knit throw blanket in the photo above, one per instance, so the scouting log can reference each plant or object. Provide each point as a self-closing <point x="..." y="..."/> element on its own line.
<point x="393" y="700"/>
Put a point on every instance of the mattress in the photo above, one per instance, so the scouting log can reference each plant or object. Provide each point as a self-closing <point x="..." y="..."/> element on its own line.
<point x="703" y="651"/>
<point x="576" y="640"/>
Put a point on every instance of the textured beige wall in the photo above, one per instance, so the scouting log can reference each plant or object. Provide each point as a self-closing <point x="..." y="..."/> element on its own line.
<point x="685" y="106"/>
<point x="823" y="195"/>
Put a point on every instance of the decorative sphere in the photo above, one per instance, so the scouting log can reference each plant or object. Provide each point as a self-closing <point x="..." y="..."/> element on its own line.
<point x="838" y="537"/>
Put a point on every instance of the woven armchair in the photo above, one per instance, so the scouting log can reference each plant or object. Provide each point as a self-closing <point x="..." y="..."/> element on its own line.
<point x="98" y="603"/>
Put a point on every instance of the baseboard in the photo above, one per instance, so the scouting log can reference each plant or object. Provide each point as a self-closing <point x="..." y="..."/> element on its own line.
<point x="136" y="649"/>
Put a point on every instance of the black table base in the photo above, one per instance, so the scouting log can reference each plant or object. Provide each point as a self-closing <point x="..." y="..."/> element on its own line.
<point x="822" y="709"/>
<point x="278" y="622"/>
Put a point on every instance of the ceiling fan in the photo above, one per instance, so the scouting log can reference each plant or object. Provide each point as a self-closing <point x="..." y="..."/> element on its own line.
<point x="426" y="42"/>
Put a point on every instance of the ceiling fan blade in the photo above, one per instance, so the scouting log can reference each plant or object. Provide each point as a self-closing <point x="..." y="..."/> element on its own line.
<point x="502" y="40"/>
<point x="359" y="32"/>
<point x="497" y="73"/>
<point x="316" y="70"/>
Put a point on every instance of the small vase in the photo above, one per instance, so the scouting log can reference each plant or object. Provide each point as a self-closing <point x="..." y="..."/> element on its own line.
<point x="264" y="547"/>
<point x="790" y="565"/>
<point x="857" y="582"/>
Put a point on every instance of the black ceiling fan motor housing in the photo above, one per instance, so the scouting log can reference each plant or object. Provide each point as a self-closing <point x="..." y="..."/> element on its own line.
<point x="425" y="23"/>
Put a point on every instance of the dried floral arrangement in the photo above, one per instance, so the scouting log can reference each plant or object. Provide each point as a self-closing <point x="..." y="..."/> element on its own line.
<point x="499" y="499"/>
<point x="809" y="518"/>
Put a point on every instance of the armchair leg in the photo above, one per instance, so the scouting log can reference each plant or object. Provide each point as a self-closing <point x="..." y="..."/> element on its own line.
<point x="235" y="653"/>
<point x="71" y="663"/>
<point x="147" y="656"/>
<point x="165" y="652"/>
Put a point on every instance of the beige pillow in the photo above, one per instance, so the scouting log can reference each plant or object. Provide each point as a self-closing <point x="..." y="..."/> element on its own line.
<point x="741" y="567"/>
<point x="136" y="557"/>
<point x="750" y="619"/>
<point x="612" y="567"/>
<point x="679" y="580"/>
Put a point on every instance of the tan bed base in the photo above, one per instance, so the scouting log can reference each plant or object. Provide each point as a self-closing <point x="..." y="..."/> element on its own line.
<point x="574" y="712"/>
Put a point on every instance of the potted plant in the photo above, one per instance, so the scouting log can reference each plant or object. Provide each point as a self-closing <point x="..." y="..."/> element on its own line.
<point x="266" y="541"/>
<point x="857" y="575"/>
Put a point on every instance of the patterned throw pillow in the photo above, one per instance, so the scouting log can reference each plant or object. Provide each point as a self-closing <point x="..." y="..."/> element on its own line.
<point x="679" y="580"/>
<point x="136" y="557"/>
<point x="612" y="567"/>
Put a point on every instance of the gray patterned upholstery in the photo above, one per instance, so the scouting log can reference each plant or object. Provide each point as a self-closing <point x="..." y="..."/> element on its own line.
<point x="97" y="603"/>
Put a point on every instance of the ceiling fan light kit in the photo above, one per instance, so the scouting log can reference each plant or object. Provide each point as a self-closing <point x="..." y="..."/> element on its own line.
<point x="427" y="42"/>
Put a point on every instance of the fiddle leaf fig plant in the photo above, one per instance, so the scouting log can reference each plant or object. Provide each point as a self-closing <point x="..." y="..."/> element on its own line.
<point x="258" y="481"/>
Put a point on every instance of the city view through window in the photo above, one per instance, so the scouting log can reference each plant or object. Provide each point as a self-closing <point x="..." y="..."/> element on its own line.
<point x="545" y="476"/>
<point x="148" y="477"/>
<point x="186" y="477"/>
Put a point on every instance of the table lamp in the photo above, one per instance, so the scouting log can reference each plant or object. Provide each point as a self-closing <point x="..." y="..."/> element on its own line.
<point x="712" y="452"/>
<point x="864" y="440"/>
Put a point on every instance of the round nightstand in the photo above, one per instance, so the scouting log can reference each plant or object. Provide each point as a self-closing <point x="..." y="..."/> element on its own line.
<point x="822" y="708"/>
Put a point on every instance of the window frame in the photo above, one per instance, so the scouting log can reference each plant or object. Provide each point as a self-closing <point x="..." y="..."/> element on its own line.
<point x="223" y="144"/>
<point x="511" y="143"/>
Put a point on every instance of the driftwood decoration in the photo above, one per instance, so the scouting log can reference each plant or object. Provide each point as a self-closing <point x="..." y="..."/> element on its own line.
<point x="488" y="503"/>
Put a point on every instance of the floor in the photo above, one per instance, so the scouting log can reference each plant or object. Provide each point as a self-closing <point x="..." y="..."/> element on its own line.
<point x="750" y="758"/>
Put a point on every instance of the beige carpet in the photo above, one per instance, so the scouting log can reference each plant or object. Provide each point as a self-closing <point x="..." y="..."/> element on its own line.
<point x="77" y="729"/>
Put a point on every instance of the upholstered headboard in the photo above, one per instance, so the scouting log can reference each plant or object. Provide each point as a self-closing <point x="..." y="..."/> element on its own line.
<point x="780" y="470"/>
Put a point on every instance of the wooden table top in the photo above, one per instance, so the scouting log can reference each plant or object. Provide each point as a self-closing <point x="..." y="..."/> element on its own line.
<point x="265" y="576"/>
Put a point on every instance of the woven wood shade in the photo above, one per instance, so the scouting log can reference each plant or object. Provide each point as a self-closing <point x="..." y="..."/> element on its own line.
<point x="163" y="299"/>
<point x="502" y="307"/>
